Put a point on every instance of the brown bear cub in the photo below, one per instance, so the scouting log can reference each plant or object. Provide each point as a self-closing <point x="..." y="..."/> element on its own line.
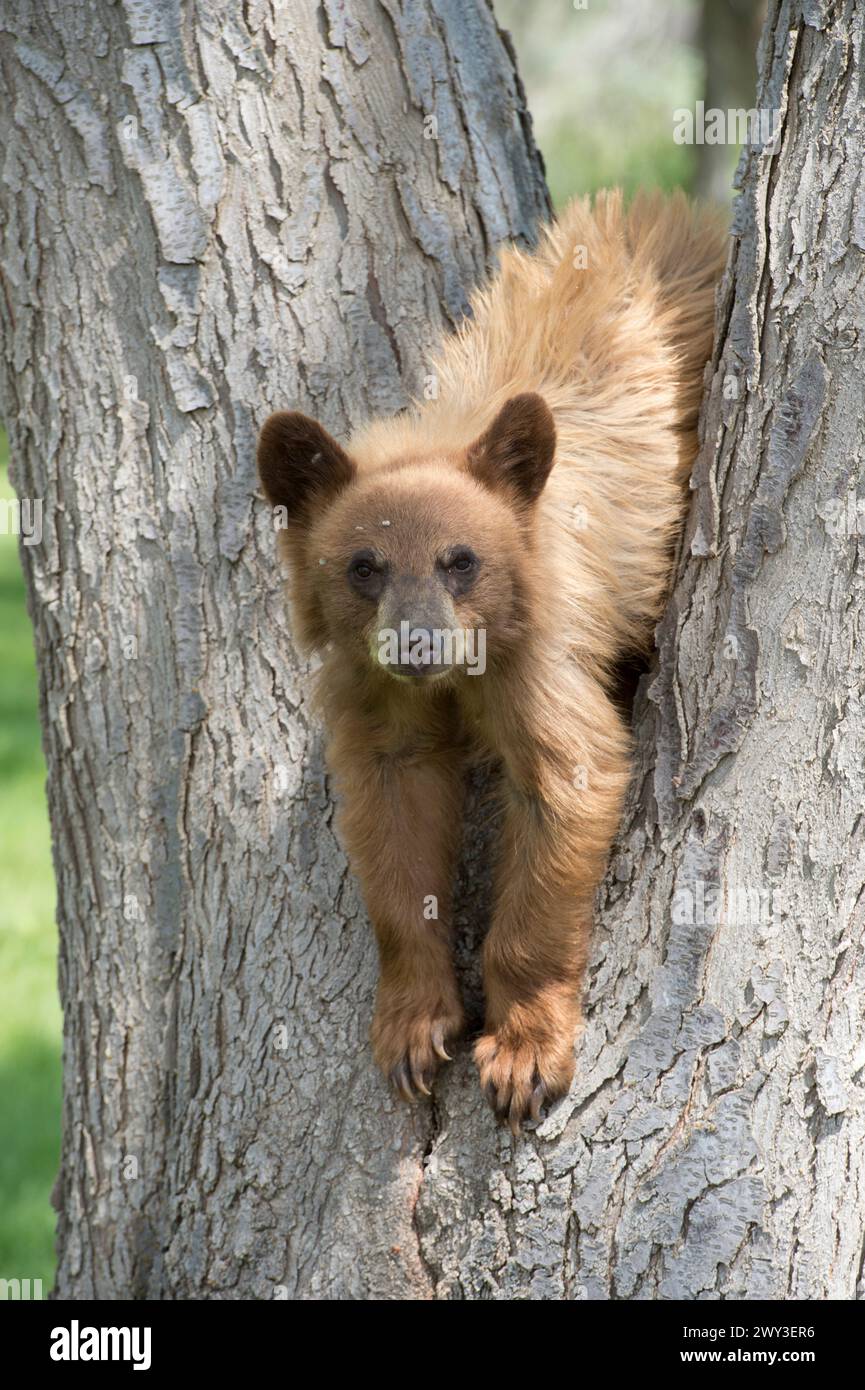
<point x="472" y="571"/>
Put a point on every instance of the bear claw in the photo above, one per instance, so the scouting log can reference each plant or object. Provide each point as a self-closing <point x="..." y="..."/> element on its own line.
<point x="399" y="1079"/>
<point x="409" y="1049"/>
<point x="438" y="1046"/>
<point x="519" y="1079"/>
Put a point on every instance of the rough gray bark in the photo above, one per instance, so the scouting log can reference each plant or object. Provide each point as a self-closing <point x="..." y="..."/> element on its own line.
<point x="217" y="971"/>
<point x="209" y="211"/>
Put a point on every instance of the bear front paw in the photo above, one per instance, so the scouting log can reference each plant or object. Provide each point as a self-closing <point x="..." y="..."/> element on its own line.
<point x="521" y="1074"/>
<point x="410" y="1040"/>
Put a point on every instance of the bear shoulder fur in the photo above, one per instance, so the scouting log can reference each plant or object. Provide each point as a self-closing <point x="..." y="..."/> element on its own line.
<point x="610" y="321"/>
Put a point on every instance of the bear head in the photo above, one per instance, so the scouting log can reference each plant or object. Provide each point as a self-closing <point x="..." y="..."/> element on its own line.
<point x="417" y="565"/>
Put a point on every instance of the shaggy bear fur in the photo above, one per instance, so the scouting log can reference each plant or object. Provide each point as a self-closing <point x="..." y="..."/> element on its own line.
<point x="537" y="499"/>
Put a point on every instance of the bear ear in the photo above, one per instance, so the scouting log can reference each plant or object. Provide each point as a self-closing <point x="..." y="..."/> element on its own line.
<point x="300" y="464"/>
<point x="518" y="449"/>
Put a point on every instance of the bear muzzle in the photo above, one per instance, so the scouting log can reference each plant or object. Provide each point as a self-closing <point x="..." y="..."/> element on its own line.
<point x="414" y="637"/>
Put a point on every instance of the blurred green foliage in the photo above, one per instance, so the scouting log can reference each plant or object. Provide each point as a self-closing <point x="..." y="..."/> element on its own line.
<point x="602" y="83"/>
<point x="29" y="1007"/>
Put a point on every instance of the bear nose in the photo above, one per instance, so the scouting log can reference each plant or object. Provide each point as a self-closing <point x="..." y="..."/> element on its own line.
<point x="422" y="653"/>
<point x="419" y="656"/>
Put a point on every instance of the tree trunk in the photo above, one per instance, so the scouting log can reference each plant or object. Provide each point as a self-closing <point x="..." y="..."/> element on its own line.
<point x="210" y="211"/>
<point x="225" y="1132"/>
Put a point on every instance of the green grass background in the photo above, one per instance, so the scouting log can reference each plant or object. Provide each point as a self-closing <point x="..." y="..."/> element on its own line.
<point x="29" y="1007"/>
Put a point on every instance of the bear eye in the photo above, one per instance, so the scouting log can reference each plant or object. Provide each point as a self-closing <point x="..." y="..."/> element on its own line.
<point x="462" y="562"/>
<point x="363" y="568"/>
